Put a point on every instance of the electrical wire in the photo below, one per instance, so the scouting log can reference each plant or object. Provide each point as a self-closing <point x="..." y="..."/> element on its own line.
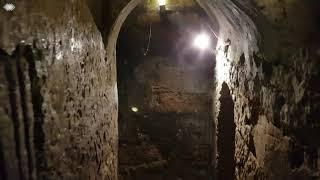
<point x="149" y="40"/>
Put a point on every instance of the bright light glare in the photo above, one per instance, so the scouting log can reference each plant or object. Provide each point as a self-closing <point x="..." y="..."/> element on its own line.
<point x="202" y="41"/>
<point x="134" y="109"/>
<point x="9" y="7"/>
<point x="223" y="66"/>
<point x="162" y="2"/>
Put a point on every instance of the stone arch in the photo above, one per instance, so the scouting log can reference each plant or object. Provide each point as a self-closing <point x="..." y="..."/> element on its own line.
<point x="113" y="36"/>
<point x="235" y="26"/>
<point x="233" y="22"/>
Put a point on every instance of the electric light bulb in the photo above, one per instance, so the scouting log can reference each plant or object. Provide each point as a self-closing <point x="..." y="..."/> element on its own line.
<point x="134" y="109"/>
<point x="9" y="7"/>
<point x="162" y="2"/>
<point x="202" y="41"/>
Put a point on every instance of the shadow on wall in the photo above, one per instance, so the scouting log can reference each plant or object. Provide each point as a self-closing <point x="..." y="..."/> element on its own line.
<point x="19" y="70"/>
<point x="226" y="136"/>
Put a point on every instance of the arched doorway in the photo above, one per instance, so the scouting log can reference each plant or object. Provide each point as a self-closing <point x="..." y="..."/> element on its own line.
<point x="224" y="24"/>
<point x="163" y="105"/>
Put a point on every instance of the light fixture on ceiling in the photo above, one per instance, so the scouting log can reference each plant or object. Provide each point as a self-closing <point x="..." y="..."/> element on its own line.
<point x="162" y="2"/>
<point x="162" y="5"/>
<point x="134" y="109"/>
<point x="201" y="41"/>
<point x="9" y="6"/>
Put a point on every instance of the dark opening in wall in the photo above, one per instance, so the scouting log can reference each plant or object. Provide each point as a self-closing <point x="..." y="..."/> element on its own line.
<point x="280" y="101"/>
<point x="242" y="60"/>
<point x="226" y="136"/>
<point x="164" y="113"/>
<point x="3" y="169"/>
<point x="296" y="156"/>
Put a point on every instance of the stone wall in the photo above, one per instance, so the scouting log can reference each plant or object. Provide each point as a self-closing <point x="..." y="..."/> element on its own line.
<point x="268" y="55"/>
<point x="169" y="86"/>
<point x="59" y="98"/>
<point x="58" y="94"/>
<point x="173" y="105"/>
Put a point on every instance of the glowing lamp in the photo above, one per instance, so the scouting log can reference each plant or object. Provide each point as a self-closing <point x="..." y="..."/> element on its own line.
<point x="134" y="109"/>
<point x="162" y="2"/>
<point x="201" y="41"/>
<point x="9" y="7"/>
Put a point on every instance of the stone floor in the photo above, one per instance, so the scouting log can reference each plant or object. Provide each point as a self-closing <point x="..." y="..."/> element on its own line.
<point x="145" y="161"/>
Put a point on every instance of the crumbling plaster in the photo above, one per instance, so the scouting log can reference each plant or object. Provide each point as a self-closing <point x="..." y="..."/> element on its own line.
<point x="69" y="88"/>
